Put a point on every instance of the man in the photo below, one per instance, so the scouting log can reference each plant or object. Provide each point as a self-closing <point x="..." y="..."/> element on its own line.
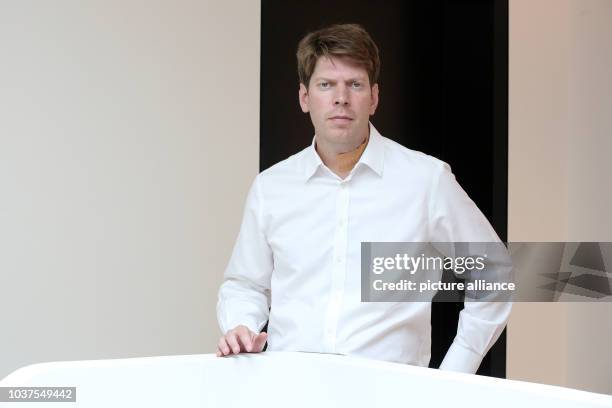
<point x="296" y="261"/>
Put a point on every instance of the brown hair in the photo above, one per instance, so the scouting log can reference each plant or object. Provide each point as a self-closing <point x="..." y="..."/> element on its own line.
<point x="340" y="40"/>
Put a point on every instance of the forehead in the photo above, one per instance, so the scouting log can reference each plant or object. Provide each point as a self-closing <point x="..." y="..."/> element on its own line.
<point x="338" y="67"/>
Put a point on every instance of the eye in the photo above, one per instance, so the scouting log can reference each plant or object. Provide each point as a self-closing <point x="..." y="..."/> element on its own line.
<point x="356" y="85"/>
<point x="324" y="85"/>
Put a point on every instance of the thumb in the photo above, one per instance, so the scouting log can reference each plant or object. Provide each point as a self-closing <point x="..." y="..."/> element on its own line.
<point x="259" y="341"/>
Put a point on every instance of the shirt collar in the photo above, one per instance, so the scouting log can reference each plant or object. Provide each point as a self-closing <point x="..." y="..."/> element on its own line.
<point x="373" y="155"/>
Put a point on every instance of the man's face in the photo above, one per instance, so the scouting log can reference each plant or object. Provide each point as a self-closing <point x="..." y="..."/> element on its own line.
<point x="340" y="100"/>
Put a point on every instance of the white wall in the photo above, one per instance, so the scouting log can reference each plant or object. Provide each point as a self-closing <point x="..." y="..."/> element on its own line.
<point x="559" y="168"/>
<point x="129" y="135"/>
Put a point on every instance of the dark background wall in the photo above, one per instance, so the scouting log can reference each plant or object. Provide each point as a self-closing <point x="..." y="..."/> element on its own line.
<point x="443" y="91"/>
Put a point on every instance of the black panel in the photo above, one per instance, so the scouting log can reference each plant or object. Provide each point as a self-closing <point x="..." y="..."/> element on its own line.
<point x="443" y="91"/>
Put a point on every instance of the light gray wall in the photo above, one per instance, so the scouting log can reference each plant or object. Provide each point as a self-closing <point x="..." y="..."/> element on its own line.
<point x="128" y="140"/>
<point x="589" y="327"/>
<point x="560" y="137"/>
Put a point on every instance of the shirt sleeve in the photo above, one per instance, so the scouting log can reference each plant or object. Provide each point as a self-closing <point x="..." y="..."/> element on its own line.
<point x="454" y="217"/>
<point x="244" y="295"/>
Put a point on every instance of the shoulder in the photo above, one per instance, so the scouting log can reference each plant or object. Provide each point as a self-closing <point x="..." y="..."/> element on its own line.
<point x="290" y="165"/>
<point x="399" y="158"/>
<point x="288" y="170"/>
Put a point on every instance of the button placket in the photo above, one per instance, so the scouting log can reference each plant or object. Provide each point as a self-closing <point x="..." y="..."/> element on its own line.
<point x="339" y="267"/>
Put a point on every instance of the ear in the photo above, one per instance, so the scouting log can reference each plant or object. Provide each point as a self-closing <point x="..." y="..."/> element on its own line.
<point x="374" y="103"/>
<point x="303" y="96"/>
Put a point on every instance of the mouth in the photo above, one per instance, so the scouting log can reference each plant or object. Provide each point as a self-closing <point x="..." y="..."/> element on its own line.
<point x="341" y="119"/>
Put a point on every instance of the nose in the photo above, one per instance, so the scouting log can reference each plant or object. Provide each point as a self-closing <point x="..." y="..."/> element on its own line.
<point x="341" y="96"/>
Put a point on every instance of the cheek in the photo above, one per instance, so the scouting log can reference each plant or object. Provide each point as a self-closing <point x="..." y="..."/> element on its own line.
<point x="317" y="106"/>
<point x="365" y="106"/>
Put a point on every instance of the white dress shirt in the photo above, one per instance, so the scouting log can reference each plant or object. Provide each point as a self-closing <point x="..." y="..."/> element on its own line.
<point x="297" y="258"/>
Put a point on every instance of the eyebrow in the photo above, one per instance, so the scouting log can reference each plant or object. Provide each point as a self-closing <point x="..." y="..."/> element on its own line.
<point x="362" y="79"/>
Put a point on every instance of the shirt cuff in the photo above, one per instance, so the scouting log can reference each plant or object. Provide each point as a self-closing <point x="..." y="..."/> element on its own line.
<point x="251" y="324"/>
<point x="228" y="321"/>
<point x="461" y="359"/>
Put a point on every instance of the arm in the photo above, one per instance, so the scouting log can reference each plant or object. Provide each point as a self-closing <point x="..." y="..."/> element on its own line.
<point x="244" y="295"/>
<point x="455" y="218"/>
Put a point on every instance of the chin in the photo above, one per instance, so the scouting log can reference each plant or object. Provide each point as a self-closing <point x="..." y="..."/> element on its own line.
<point x="341" y="136"/>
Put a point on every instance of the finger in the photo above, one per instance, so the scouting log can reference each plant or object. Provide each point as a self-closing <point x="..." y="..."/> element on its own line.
<point x="232" y="340"/>
<point x="244" y="336"/>
<point x="223" y="346"/>
<point x="219" y="352"/>
<point x="259" y="341"/>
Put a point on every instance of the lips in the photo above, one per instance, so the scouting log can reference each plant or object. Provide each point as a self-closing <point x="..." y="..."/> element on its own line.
<point x="340" y="117"/>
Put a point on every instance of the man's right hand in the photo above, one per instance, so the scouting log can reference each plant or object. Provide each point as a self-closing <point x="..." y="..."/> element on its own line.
<point x="240" y="340"/>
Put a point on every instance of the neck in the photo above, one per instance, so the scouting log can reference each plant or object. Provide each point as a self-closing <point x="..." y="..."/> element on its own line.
<point x="341" y="163"/>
